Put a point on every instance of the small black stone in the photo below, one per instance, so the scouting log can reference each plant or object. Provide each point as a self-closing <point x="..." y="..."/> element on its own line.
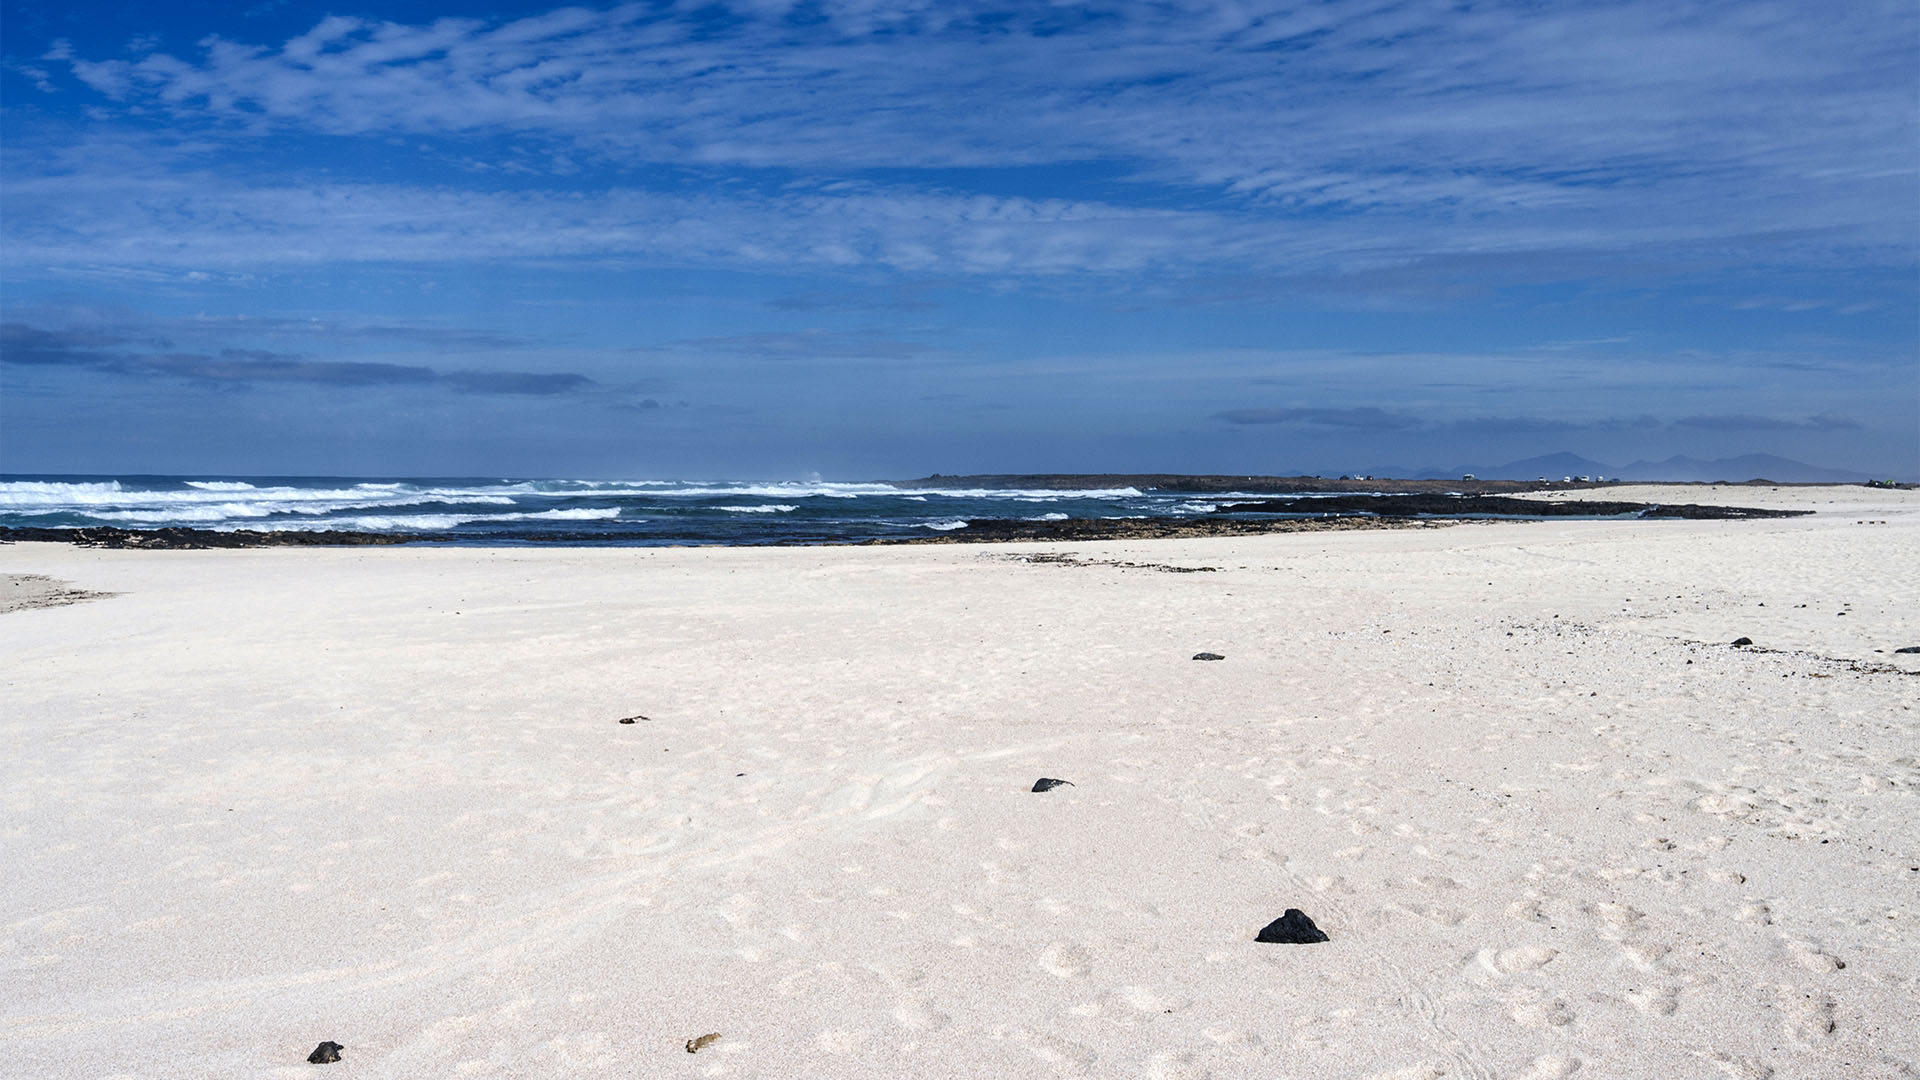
<point x="631" y="719"/>
<point x="1048" y="783"/>
<point x="1292" y="928"/>
<point x="1909" y="649"/>
<point x="326" y="1053"/>
<point x="1743" y="641"/>
<point x="1208" y="656"/>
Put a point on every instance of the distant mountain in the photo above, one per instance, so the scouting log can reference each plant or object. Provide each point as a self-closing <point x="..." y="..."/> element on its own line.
<point x="1733" y="470"/>
<point x="1551" y="466"/>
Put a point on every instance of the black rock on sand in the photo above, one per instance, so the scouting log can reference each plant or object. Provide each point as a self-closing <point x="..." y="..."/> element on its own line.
<point x="1292" y="928"/>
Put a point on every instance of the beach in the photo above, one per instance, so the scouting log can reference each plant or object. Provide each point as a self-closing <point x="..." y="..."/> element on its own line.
<point x="1552" y="821"/>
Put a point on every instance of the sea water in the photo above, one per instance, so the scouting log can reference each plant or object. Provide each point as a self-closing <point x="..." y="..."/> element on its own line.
<point x="505" y="510"/>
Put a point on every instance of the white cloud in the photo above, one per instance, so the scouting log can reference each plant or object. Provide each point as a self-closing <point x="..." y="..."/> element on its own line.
<point x="1352" y="133"/>
<point x="1201" y="93"/>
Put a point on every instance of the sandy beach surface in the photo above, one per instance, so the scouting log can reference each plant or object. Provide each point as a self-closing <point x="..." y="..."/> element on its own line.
<point x="1552" y="821"/>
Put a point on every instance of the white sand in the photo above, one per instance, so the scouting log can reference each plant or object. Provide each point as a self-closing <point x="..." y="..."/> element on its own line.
<point x="1553" y="823"/>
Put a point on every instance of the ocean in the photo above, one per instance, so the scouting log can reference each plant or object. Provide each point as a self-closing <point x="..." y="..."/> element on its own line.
<point x="599" y="512"/>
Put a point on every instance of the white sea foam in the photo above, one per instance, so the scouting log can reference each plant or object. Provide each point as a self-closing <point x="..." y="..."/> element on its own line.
<point x="184" y="515"/>
<point x="357" y="523"/>
<point x="777" y="508"/>
<point x="585" y="513"/>
<point x="381" y="523"/>
<point x="944" y="526"/>
<point x="1025" y="494"/>
<point x="1197" y="508"/>
<point x="221" y="485"/>
<point x="1055" y="516"/>
<point x="212" y="501"/>
<point x="32" y="493"/>
<point x="794" y="490"/>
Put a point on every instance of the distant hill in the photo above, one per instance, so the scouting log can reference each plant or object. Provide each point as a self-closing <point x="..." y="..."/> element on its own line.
<point x="1551" y="466"/>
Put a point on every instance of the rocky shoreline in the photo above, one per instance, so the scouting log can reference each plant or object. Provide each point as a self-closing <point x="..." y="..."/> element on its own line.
<point x="1220" y="484"/>
<point x="1457" y="506"/>
<point x="998" y="530"/>
<point x="180" y="538"/>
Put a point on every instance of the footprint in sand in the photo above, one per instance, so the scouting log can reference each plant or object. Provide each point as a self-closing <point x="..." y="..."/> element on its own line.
<point x="914" y="1015"/>
<point x="1739" y="1068"/>
<point x="1655" y="1001"/>
<point x="1807" y="1015"/>
<point x="1226" y="1036"/>
<point x="840" y="1043"/>
<point x="1442" y="916"/>
<point x="1064" y="1056"/>
<point x="1621" y="918"/>
<point x="1810" y="957"/>
<point x="1527" y="910"/>
<point x="1175" y="1066"/>
<point x="1645" y="957"/>
<point x="1549" y="1013"/>
<point x="1550" y="1067"/>
<point x="1065" y="960"/>
<point x="1512" y="961"/>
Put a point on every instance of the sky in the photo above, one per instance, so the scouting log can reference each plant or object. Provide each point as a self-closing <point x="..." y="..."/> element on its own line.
<point x="764" y="239"/>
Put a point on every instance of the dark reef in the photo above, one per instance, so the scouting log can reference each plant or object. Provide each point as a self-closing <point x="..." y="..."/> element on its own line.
<point x="1218" y="484"/>
<point x="176" y="538"/>
<point x="1450" y="506"/>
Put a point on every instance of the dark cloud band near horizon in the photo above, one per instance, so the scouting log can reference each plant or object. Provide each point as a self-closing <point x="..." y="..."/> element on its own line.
<point x="25" y="345"/>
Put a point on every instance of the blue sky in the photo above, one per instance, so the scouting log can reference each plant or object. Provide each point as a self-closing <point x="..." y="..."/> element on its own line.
<point x="768" y="239"/>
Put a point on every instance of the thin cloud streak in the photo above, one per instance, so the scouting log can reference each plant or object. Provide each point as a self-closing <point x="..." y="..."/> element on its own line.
<point x="1348" y="134"/>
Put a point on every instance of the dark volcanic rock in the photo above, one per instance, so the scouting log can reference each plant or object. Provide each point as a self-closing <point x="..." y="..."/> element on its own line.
<point x="1291" y="928"/>
<point x="1048" y="783"/>
<point x="1446" y="506"/>
<point x="631" y="719"/>
<point x="1216" y="484"/>
<point x="1743" y="641"/>
<point x="326" y="1053"/>
<point x="1909" y="649"/>
<point x="1208" y="656"/>
<point x="175" y="537"/>
<point x="997" y="530"/>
